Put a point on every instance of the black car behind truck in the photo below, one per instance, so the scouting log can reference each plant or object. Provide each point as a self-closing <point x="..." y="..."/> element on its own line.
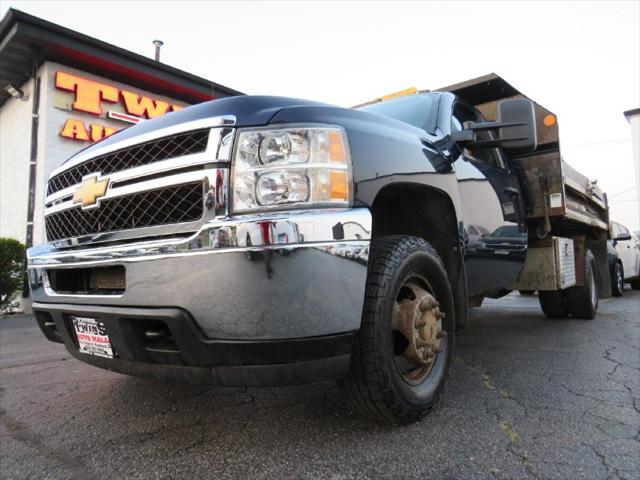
<point x="390" y="220"/>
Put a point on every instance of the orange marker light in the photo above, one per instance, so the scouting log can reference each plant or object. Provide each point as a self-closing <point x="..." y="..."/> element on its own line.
<point x="339" y="185"/>
<point x="336" y="148"/>
<point x="549" y="120"/>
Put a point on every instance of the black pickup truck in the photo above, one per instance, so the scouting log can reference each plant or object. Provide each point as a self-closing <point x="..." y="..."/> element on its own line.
<point x="264" y="240"/>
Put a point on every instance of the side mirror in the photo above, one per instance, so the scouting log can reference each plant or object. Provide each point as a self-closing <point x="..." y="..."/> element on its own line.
<point x="623" y="236"/>
<point x="521" y="135"/>
<point x="516" y="127"/>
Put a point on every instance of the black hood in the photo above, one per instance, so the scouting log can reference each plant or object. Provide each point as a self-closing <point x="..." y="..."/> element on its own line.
<point x="249" y="110"/>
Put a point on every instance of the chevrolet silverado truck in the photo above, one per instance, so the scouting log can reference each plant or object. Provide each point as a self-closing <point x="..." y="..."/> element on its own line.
<point x="263" y="241"/>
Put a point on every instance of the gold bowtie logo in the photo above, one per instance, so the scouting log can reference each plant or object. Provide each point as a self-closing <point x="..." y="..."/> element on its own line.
<point x="90" y="191"/>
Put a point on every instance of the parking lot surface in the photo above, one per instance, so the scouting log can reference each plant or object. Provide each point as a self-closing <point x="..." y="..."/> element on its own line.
<point x="527" y="398"/>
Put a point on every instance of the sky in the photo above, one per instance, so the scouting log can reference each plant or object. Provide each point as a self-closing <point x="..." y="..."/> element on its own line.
<point x="580" y="59"/>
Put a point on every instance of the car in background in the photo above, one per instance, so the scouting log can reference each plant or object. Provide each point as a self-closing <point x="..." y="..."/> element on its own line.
<point x="474" y="237"/>
<point x="615" y="270"/>
<point x="624" y="259"/>
<point x="506" y="240"/>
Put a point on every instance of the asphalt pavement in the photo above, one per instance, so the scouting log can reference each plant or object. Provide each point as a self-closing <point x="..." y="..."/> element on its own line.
<point x="528" y="398"/>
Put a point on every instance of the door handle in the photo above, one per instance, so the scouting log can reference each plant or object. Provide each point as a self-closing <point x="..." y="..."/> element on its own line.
<point x="511" y="190"/>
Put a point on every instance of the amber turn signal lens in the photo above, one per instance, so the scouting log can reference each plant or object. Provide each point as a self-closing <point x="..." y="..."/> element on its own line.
<point x="339" y="185"/>
<point x="549" y="120"/>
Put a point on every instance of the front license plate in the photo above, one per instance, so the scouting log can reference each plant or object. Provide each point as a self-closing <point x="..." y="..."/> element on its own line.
<point x="92" y="337"/>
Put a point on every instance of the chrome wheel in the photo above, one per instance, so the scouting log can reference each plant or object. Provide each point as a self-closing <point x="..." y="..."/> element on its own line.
<point x="416" y="325"/>
<point x="619" y="278"/>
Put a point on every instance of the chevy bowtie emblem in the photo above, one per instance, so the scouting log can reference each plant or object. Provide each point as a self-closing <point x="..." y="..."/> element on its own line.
<point x="90" y="191"/>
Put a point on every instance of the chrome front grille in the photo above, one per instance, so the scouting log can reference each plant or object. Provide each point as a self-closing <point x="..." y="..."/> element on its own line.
<point x="142" y="154"/>
<point x="168" y="181"/>
<point x="165" y="206"/>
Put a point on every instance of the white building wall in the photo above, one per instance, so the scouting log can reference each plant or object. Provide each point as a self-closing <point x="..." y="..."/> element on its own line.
<point x="634" y="121"/>
<point x="15" y="149"/>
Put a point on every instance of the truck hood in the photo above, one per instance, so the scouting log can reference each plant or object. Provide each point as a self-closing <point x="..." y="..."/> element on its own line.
<point x="249" y="110"/>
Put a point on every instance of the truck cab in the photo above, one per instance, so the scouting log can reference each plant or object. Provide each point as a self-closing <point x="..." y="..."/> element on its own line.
<point x="488" y="188"/>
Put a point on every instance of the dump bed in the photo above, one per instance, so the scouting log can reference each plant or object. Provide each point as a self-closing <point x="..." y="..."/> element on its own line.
<point x="554" y="192"/>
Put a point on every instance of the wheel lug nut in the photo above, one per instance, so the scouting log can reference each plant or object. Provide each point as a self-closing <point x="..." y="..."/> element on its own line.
<point x="425" y="304"/>
<point x="421" y="323"/>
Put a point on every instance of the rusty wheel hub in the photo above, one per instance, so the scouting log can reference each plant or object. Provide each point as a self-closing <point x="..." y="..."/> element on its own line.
<point x="417" y="317"/>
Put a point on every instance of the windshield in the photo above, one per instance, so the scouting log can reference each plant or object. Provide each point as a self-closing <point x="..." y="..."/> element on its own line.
<point x="508" y="231"/>
<point x="418" y="110"/>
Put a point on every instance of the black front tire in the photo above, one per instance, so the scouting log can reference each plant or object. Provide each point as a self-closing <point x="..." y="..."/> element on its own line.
<point x="617" y="280"/>
<point x="375" y="385"/>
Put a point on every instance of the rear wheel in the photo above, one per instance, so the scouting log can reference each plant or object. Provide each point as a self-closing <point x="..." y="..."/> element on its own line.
<point x="582" y="300"/>
<point x="617" y="280"/>
<point x="577" y="302"/>
<point x="404" y="347"/>
<point x="553" y="304"/>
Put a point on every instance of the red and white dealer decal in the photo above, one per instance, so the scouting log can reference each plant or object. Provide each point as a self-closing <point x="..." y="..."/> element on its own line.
<point x="92" y="337"/>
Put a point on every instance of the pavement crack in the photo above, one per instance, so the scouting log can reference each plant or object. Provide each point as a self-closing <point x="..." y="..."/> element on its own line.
<point x="504" y="425"/>
<point x="41" y="362"/>
<point x="21" y="432"/>
<point x="603" y="459"/>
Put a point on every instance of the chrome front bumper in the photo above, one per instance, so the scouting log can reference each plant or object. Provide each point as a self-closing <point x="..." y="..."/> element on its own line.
<point x="251" y="277"/>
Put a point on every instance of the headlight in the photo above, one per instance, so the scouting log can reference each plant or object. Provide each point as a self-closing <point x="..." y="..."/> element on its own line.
<point x="292" y="167"/>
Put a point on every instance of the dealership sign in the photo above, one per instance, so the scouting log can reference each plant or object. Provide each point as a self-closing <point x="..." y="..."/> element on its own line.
<point x="105" y="100"/>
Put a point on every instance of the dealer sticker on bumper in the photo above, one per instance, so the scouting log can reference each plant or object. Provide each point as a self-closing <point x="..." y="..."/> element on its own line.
<point x="92" y="337"/>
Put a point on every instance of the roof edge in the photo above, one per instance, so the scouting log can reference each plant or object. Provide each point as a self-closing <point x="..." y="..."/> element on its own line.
<point x="14" y="16"/>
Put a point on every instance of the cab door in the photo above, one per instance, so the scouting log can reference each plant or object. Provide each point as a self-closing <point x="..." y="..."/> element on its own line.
<point x="493" y="213"/>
